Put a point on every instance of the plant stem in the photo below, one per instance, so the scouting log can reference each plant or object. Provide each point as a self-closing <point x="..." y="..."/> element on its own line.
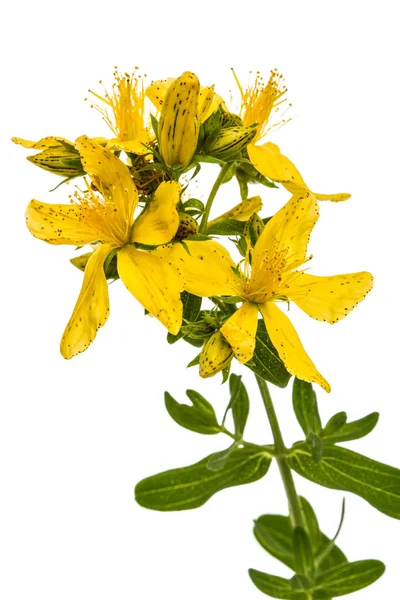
<point x="286" y="474"/>
<point x="213" y="193"/>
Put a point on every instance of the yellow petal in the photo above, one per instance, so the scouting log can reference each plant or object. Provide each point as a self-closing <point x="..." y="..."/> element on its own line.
<point x="43" y="144"/>
<point x="240" y="331"/>
<point x="92" y="307"/>
<point x="242" y="211"/>
<point x="110" y="176"/>
<point x="285" y="237"/>
<point x="159" y="222"/>
<point x="136" y="146"/>
<point x="329" y="298"/>
<point x="215" y="355"/>
<point x="207" y="270"/>
<point x="154" y="283"/>
<point x="289" y="347"/>
<point x="157" y="91"/>
<point x="268" y="160"/>
<point x="58" y="224"/>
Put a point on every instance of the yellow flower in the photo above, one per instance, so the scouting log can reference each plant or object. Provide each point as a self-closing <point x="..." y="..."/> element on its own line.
<point x="108" y="222"/>
<point x="260" y="102"/>
<point x="273" y="277"/>
<point x="125" y="113"/>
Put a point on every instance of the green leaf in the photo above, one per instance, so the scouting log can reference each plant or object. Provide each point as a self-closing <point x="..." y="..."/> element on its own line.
<point x="265" y="361"/>
<point x="350" y="431"/>
<point x="239" y="403"/>
<point x="316" y="445"/>
<point x="190" y="487"/>
<point x="334" y="424"/>
<point x="348" y="578"/>
<point x="310" y="522"/>
<point x="194" y="362"/>
<point x="302" y="553"/>
<point x="276" y="587"/>
<point x="305" y="407"/>
<point x="275" y="534"/>
<point x="218" y="460"/>
<point x="343" y="469"/>
<point x="226" y="227"/>
<point x="199" y="417"/>
<point x="194" y="203"/>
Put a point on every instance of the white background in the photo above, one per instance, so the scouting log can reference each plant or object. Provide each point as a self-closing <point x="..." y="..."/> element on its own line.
<point x="76" y="436"/>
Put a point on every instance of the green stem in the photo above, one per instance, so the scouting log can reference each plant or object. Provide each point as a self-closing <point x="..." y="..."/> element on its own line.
<point x="286" y="474"/>
<point x="218" y="182"/>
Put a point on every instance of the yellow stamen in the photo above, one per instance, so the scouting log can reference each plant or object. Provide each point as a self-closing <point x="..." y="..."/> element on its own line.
<point x="260" y="100"/>
<point x="101" y="216"/>
<point x="127" y="103"/>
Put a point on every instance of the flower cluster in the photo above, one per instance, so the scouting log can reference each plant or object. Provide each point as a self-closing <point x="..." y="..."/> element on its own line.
<point x="143" y="227"/>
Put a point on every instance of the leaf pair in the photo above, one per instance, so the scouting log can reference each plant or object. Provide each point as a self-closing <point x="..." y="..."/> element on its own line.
<point x="321" y="569"/>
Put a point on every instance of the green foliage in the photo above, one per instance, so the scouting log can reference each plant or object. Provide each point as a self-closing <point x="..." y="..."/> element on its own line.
<point x="339" y="581"/>
<point x="190" y="487"/>
<point x="343" y="469"/>
<point x="226" y="227"/>
<point x="199" y="417"/>
<point x="265" y="361"/>
<point x="348" y="578"/>
<point x="305" y="407"/>
<point x="337" y="430"/>
<point x="239" y="404"/>
<point x="276" y="535"/>
<point x="276" y="587"/>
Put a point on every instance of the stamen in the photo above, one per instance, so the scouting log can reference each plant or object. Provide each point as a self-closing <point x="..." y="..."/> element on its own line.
<point x="261" y="100"/>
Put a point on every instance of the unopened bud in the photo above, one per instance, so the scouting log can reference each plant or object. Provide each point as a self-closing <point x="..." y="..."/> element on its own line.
<point x="215" y="355"/>
<point x="231" y="140"/>
<point x="57" y="155"/>
<point x="178" y="129"/>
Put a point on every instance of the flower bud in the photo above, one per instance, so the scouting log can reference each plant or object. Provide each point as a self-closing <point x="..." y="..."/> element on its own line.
<point x="57" y="155"/>
<point x="187" y="226"/>
<point x="178" y="129"/>
<point x="215" y="355"/>
<point x="231" y="140"/>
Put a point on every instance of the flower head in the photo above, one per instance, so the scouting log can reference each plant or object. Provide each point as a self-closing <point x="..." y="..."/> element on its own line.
<point x="106" y="220"/>
<point x="124" y="112"/>
<point x="271" y="275"/>
<point x="260" y="103"/>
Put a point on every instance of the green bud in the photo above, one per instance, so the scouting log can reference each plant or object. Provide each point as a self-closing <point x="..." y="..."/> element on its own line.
<point x="231" y="140"/>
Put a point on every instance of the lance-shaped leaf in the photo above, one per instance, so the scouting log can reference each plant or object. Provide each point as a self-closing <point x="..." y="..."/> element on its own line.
<point x="191" y="306"/>
<point x="226" y="227"/>
<point x="305" y="407"/>
<point x="276" y="587"/>
<point x="348" y="578"/>
<point x="239" y="403"/>
<point x="190" y="487"/>
<point x="348" y="431"/>
<point x="265" y="361"/>
<point x="343" y="469"/>
<point x="199" y="417"/>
